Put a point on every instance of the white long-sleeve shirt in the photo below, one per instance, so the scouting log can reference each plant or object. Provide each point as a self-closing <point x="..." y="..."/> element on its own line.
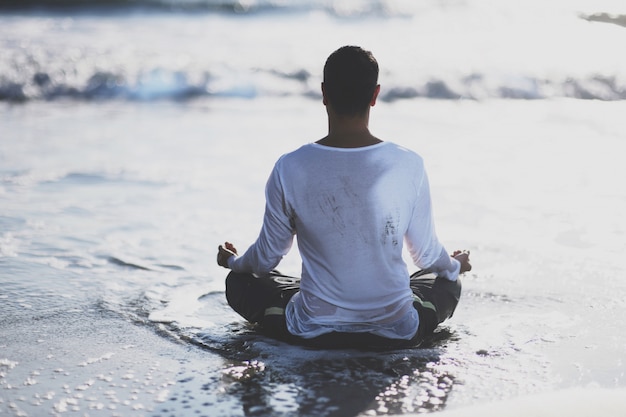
<point x="352" y="209"/>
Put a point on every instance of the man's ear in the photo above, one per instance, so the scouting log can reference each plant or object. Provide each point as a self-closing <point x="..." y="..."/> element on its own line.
<point x="324" y="100"/>
<point x="375" y="96"/>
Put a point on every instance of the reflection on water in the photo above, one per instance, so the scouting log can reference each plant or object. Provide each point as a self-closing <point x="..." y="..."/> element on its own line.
<point x="290" y="380"/>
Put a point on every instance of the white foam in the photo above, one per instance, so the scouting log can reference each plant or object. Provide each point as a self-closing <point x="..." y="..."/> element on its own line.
<point x="8" y="364"/>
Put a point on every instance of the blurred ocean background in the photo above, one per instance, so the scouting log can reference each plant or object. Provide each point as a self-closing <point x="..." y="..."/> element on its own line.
<point x="137" y="135"/>
<point x="184" y="49"/>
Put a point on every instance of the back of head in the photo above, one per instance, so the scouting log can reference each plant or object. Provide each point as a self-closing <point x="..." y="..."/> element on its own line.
<point x="350" y="79"/>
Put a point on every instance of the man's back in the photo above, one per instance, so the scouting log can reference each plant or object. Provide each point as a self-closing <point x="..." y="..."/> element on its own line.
<point x="351" y="208"/>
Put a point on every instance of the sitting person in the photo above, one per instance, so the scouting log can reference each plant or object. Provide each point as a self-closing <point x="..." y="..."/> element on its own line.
<point x="353" y="200"/>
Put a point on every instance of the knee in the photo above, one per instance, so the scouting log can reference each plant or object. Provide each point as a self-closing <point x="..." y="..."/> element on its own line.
<point x="236" y="285"/>
<point x="453" y="288"/>
<point x="457" y="288"/>
<point x="229" y="280"/>
<point x="230" y="283"/>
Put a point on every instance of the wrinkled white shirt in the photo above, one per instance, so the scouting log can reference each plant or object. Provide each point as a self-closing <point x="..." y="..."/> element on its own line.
<point x="352" y="209"/>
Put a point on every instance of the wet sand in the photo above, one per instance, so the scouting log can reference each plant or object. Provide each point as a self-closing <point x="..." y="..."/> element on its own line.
<point x="94" y="363"/>
<point x="577" y="402"/>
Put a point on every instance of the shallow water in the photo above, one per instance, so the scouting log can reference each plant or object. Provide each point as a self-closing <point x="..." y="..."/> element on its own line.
<point x="122" y="221"/>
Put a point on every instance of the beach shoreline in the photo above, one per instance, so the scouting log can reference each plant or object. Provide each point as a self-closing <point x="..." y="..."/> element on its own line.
<point x="93" y="362"/>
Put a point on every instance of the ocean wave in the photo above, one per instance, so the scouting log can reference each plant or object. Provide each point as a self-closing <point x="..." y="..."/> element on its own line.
<point x="617" y="19"/>
<point x="337" y="7"/>
<point x="208" y="5"/>
<point x="449" y="54"/>
<point x="161" y="84"/>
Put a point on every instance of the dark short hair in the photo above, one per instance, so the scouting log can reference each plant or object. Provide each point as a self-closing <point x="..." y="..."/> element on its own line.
<point x="350" y="79"/>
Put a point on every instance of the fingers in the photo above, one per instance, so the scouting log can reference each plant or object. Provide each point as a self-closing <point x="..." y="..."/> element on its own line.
<point x="227" y="247"/>
<point x="231" y="247"/>
<point x="463" y="257"/>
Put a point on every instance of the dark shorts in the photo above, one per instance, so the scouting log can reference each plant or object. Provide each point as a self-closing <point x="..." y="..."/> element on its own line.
<point x="263" y="301"/>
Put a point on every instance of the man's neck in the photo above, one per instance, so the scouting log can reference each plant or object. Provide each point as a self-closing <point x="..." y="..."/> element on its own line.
<point x="348" y="132"/>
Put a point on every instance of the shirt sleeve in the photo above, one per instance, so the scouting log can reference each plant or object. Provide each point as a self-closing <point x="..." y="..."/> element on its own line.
<point x="421" y="238"/>
<point x="277" y="232"/>
<point x="446" y="266"/>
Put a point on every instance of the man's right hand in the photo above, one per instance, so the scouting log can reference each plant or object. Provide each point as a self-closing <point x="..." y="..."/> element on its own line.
<point x="224" y="253"/>
<point x="463" y="257"/>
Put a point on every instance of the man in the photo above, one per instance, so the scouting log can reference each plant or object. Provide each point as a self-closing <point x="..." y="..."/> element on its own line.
<point x="352" y="200"/>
